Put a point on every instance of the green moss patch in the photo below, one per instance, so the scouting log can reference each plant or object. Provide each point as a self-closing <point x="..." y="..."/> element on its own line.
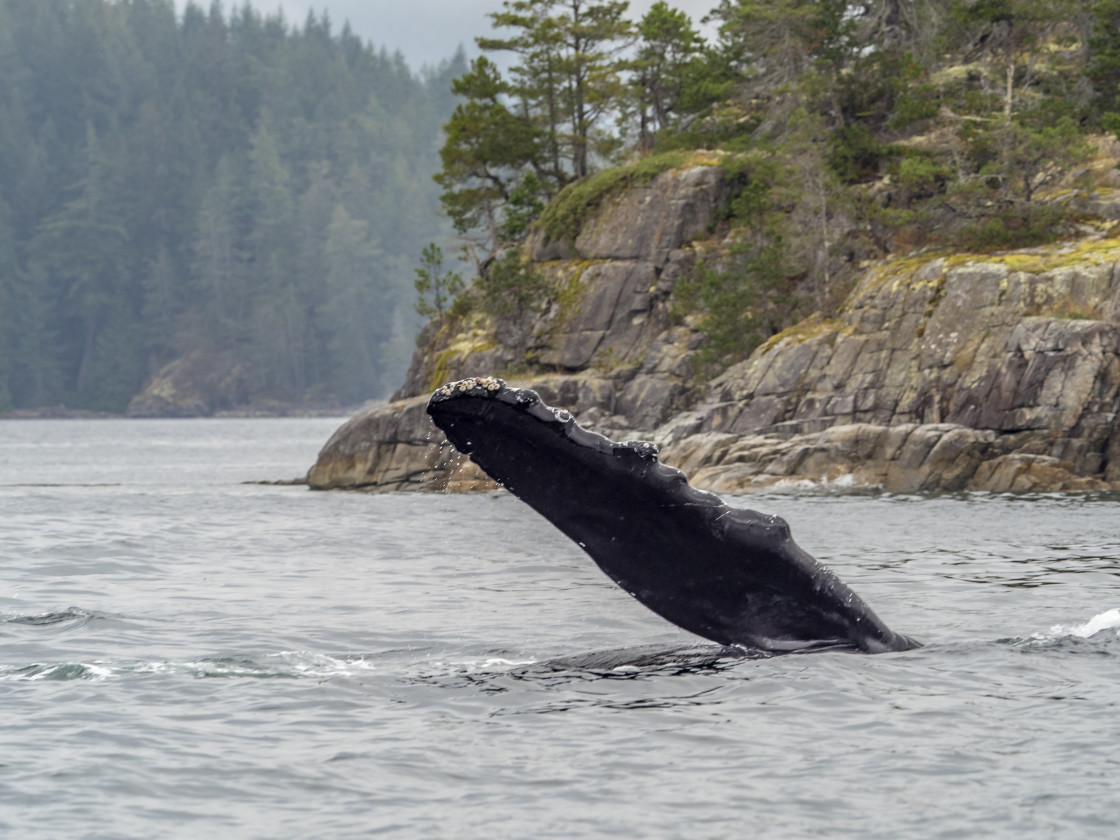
<point x="462" y="345"/>
<point x="564" y="217"/>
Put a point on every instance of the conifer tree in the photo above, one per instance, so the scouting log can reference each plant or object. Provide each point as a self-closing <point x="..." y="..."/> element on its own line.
<point x="514" y="143"/>
<point x="487" y="149"/>
<point x="170" y="183"/>
<point x="83" y="246"/>
<point x="667" y="52"/>
<point x="567" y="80"/>
<point x="350" y="315"/>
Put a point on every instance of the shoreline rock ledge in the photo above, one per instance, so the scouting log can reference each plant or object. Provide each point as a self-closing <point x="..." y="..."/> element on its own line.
<point x="997" y="374"/>
<point x="941" y="373"/>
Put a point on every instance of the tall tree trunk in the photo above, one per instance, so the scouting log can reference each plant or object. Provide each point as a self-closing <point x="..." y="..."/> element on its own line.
<point x="1005" y="185"/>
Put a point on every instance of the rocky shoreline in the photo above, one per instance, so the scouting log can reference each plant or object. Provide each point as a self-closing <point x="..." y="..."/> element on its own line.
<point x="941" y="372"/>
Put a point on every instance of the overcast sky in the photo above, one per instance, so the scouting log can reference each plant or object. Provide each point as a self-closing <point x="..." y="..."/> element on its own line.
<point x="427" y="31"/>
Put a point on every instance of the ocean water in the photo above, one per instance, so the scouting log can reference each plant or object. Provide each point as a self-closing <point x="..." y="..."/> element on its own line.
<point x="183" y="655"/>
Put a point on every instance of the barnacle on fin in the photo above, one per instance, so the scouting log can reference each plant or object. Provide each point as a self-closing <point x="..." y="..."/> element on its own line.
<point x="489" y="384"/>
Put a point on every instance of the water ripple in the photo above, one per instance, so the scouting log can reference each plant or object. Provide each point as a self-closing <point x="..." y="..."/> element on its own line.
<point x="72" y="617"/>
<point x="186" y="656"/>
<point x="283" y="665"/>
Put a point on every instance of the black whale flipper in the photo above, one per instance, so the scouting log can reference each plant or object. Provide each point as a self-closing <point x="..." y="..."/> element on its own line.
<point x="730" y="575"/>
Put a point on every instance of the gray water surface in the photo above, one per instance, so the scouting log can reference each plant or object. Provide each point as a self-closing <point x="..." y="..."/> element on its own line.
<point x="184" y="655"/>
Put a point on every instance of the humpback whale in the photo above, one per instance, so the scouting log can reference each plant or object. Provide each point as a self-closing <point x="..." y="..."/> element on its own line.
<point x="730" y="575"/>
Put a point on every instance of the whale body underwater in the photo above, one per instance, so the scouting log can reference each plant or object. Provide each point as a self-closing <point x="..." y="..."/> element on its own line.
<point x="730" y="575"/>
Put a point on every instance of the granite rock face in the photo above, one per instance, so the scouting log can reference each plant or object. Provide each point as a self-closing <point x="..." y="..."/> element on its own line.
<point x="394" y="447"/>
<point x="644" y="223"/>
<point x="196" y="385"/>
<point x="618" y="361"/>
<point x="942" y="374"/>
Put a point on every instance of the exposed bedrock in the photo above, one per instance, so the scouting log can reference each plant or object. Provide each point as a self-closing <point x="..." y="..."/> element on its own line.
<point x="941" y="373"/>
<point x="197" y="384"/>
<point x="619" y="361"/>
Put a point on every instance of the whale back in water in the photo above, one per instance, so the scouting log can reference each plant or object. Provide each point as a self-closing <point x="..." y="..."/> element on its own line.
<point x="730" y="575"/>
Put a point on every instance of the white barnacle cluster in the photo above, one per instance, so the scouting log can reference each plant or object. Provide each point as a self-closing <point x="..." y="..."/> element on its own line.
<point x="644" y="448"/>
<point x="485" y="383"/>
<point x="562" y="414"/>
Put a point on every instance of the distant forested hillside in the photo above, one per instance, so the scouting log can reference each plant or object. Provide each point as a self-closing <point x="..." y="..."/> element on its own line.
<point x="208" y="180"/>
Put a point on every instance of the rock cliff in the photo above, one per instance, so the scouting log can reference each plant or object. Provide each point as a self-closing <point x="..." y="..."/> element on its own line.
<point x="609" y="348"/>
<point x="942" y="372"/>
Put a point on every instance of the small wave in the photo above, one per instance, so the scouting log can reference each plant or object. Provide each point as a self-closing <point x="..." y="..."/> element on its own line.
<point x="1062" y="635"/>
<point x="57" y="672"/>
<point x="496" y="663"/>
<point x="291" y="664"/>
<point x="1108" y="620"/>
<point x="639" y="662"/>
<point x="283" y="665"/>
<point x="74" y="616"/>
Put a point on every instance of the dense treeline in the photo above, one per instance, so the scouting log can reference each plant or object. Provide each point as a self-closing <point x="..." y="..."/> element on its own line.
<point x="207" y="181"/>
<point x="849" y="129"/>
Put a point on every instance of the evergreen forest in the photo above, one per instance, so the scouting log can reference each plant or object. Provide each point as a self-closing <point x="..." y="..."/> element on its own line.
<point x="849" y="130"/>
<point x="197" y="182"/>
<point x="193" y="180"/>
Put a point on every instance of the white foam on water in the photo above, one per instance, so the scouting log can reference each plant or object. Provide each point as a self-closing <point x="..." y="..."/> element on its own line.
<point x="1108" y="620"/>
<point x="38" y="672"/>
<point x="97" y="671"/>
<point x="471" y="666"/>
<point x="304" y="663"/>
<point x="506" y="663"/>
<point x="291" y="664"/>
<point x="846" y="481"/>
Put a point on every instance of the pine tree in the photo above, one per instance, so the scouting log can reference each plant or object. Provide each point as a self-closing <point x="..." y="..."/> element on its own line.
<point x="668" y="51"/>
<point x="353" y="315"/>
<point x="568" y="79"/>
<point x="487" y="150"/>
<point x="84" y="245"/>
<point x="436" y="289"/>
<point x="220" y="261"/>
<point x="36" y="372"/>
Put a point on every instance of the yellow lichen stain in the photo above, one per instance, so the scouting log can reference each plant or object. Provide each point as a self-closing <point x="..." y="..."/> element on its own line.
<point x="901" y="273"/>
<point x="1059" y="196"/>
<point x="937" y="287"/>
<point x="571" y="290"/>
<point x="706" y="157"/>
<point x="440" y="369"/>
<point x="804" y="330"/>
<point x="1060" y="255"/>
<point x="462" y="345"/>
<point x="898" y="273"/>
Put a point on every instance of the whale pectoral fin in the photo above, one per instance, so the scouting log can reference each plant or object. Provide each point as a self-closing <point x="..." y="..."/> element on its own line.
<point x="733" y="576"/>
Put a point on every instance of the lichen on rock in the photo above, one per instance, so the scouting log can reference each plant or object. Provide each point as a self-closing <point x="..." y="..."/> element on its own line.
<point x="990" y="395"/>
<point x="941" y="372"/>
